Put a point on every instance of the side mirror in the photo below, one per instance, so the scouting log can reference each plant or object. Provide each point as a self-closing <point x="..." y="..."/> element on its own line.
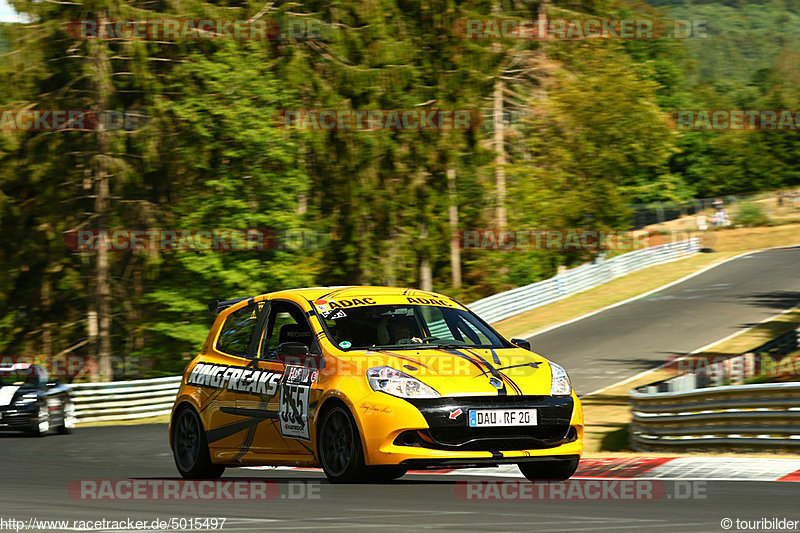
<point x="297" y="353"/>
<point x="522" y="343"/>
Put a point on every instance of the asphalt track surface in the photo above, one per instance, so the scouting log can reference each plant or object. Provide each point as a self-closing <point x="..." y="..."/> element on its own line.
<point x="618" y="343"/>
<point x="36" y="472"/>
<point x="598" y="351"/>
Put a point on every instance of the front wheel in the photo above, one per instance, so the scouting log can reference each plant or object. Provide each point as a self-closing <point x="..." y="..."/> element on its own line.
<point x="40" y="425"/>
<point x="549" y="470"/>
<point x="190" y="447"/>
<point x="339" y="445"/>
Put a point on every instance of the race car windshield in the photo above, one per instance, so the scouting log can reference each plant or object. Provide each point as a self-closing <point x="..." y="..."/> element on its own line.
<point x="407" y="327"/>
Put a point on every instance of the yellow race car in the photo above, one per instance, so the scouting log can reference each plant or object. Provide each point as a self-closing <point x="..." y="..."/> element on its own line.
<point x="369" y="382"/>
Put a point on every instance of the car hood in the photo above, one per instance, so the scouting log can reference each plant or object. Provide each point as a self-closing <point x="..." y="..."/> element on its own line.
<point x="7" y="393"/>
<point x="464" y="371"/>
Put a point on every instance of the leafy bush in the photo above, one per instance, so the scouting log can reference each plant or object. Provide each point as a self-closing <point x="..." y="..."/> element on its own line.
<point x="750" y="214"/>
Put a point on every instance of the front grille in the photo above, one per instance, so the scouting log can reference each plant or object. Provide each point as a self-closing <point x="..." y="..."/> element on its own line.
<point x="552" y="429"/>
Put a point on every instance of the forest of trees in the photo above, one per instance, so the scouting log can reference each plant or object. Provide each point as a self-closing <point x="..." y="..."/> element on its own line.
<point x="573" y="133"/>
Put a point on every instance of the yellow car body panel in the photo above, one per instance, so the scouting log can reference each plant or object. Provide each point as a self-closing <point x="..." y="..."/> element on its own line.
<point x="243" y="422"/>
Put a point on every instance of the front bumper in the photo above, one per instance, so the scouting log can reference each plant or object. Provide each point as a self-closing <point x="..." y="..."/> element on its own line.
<point x="431" y="432"/>
<point x="15" y="418"/>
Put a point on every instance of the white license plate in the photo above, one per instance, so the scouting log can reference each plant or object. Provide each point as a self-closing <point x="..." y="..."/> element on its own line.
<point x="479" y="418"/>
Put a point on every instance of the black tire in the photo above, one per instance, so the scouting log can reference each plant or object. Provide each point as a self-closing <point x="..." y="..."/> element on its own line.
<point x="339" y="446"/>
<point x="190" y="448"/>
<point x="549" y="470"/>
<point x="40" y="425"/>
<point x="386" y="473"/>
<point x="67" y="417"/>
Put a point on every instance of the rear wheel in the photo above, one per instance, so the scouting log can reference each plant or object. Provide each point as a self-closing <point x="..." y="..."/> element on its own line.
<point x="68" y="417"/>
<point x="190" y="448"/>
<point x="549" y="470"/>
<point x="339" y="446"/>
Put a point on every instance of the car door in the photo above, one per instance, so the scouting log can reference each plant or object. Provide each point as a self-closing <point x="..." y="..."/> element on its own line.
<point x="285" y="322"/>
<point x="226" y="362"/>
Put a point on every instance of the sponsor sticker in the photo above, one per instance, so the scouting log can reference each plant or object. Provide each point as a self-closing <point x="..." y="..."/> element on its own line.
<point x="293" y="410"/>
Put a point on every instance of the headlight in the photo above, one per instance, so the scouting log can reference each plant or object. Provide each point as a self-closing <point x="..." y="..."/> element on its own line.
<point x="560" y="384"/>
<point x="391" y="381"/>
<point x="25" y="399"/>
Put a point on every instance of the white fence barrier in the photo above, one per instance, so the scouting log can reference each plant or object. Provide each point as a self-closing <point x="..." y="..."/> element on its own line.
<point x="124" y="400"/>
<point x="507" y="304"/>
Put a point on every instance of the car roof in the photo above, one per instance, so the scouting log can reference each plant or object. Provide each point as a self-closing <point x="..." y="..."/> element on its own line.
<point x="16" y="366"/>
<point x="346" y="291"/>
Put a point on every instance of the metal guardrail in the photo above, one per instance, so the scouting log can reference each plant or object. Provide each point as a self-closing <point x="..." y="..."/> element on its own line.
<point x="510" y="303"/>
<point x="735" y="417"/>
<point x="124" y="400"/>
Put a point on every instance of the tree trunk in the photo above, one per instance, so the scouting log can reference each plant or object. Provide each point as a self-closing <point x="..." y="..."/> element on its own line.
<point x="542" y="20"/>
<point x="500" y="156"/>
<point x="103" y="89"/>
<point x="455" y="241"/>
<point x="425" y="274"/>
<point x="47" y="327"/>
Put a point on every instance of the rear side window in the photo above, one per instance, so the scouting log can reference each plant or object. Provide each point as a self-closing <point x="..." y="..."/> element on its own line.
<point x="234" y="338"/>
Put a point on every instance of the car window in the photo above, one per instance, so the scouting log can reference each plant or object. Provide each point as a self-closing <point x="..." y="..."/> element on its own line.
<point x="286" y="323"/>
<point x="456" y="327"/>
<point x="406" y="326"/>
<point x="234" y="337"/>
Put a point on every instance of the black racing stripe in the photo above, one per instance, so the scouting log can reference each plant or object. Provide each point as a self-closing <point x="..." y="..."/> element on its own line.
<point x="477" y="364"/>
<point x="301" y="443"/>
<point x="329" y="294"/>
<point x="260" y="414"/>
<point x="497" y="455"/>
<point x="495" y="358"/>
<point x="211" y="399"/>
<point x="246" y="443"/>
<point x="532" y="365"/>
<point x="511" y="382"/>
<point x="432" y="295"/>
<point x="496" y="373"/>
<point x="404" y="358"/>
<point x="251" y="433"/>
<point x="484" y="367"/>
<point x="213" y="435"/>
